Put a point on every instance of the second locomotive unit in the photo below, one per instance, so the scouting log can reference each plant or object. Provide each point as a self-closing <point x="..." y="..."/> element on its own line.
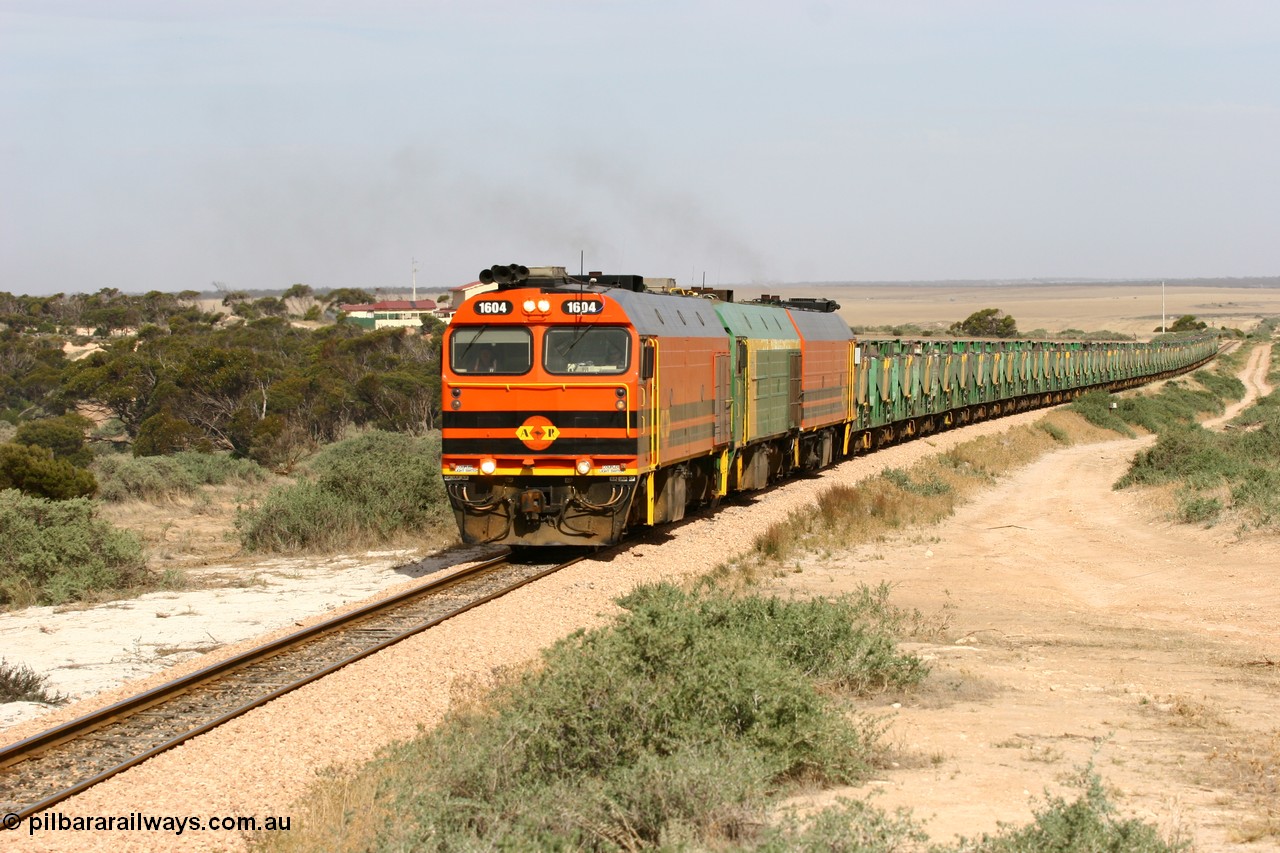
<point x="576" y="409"/>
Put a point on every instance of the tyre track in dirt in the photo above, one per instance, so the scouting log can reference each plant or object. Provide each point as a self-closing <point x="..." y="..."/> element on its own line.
<point x="1086" y="627"/>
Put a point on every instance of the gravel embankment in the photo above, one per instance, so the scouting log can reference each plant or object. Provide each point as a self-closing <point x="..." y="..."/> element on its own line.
<point x="259" y="764"/>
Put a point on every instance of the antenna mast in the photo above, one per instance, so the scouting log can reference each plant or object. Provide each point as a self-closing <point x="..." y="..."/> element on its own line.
<point x="415" y="282"/>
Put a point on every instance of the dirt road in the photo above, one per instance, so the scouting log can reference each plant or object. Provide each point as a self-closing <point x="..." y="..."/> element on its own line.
<point x="1086" y="627"/>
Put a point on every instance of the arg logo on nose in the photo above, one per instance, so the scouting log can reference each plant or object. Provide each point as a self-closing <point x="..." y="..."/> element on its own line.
<point x="537" y="433"/>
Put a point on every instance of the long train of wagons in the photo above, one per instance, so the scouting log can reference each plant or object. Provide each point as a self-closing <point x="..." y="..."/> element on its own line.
<point x="575" y="410"/>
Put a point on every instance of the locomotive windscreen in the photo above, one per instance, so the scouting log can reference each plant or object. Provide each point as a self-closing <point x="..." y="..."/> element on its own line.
<point x="587" y="349"/>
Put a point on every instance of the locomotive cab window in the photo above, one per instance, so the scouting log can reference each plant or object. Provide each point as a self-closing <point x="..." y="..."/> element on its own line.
<point x="491" y="349"/>
<point x="586" y="349"/>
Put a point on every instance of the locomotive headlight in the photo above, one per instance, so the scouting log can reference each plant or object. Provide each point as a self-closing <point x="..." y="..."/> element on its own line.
<point x="544" y="305"/>
<point x="583" y="466"/>
<point x="528" y="306"/>
<point x="488" y="466"/>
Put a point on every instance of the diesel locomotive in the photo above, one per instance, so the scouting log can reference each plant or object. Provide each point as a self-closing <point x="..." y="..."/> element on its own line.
<point x="575" y="408"/>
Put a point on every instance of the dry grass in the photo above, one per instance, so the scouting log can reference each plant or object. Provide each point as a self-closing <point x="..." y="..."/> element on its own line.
<point x="1251" y="769"/>
<point x="924" y="494"/>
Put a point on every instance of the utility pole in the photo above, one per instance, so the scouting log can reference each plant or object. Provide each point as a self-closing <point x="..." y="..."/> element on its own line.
<point x="1163" y="326"/>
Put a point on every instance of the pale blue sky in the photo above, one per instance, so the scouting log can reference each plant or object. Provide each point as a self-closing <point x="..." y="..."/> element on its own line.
<point x="167" y="145"/>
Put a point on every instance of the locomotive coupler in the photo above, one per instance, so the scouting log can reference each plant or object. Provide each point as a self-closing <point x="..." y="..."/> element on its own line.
<point x="531" y="503"/>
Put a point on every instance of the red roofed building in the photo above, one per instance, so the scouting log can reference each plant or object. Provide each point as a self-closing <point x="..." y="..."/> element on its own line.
<point x="463" y="292"/>
<point x="395" y="312"/>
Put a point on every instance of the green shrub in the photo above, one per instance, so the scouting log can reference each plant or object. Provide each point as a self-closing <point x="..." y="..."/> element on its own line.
<point x="1194" y="508"/>
<point x="1190" y="453"/>
<point x="158" y="478"/>
<point x="850" y="826"/>
<point x="57" y="551"/>
<point x="1057" y="433"/>
<point x="21" y="683"/>
<point x="1095" y="407"/>
<point x="926" y="488"/>
<point x="143" y="478"/>
<point x="1087" y="825"/>
<point x="35" y="471"/>
<point x="63" y="435"/>
<point x="669" y="728"/>
<point x="361" y="490"/>
<point x="218" y="469"/>
<point x="162" y="433"/>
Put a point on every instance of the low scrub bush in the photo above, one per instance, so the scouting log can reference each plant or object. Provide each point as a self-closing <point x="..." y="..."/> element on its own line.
<point x="1194" y="508"/>
<point x="676" y="728"/>
<point x="1191" y="453"/>
<point x="1095" y="406"/>
<point x="1177" y="405"/>
<point x="1088" y="824"/>
<point x="158" y="478"/>
<point x="1055" y="432"/>
<point x="21" y="683"/>
<point x="927" y="487"/>
<point x="35" y="471"/>
<point x="671" y="727"/>
<point x="141" y="478"/>
<point x="57" y="551"/>
<point x="365" y="489"/>
<point x="1234" y="473"/>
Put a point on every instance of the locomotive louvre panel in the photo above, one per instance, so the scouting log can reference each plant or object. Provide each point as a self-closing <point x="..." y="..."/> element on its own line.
<point x="769" y="390"/>
<point x="795" y="391"/>
<point x="724" y="399"/>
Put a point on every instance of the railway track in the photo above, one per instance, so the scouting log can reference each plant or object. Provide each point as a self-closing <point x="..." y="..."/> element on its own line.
<point x="48" y="767"/>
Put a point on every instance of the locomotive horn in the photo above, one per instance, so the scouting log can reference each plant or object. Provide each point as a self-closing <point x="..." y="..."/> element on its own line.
<point x="504" y="274"/>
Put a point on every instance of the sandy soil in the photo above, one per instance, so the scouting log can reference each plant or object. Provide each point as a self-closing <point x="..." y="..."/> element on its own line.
<point x="1087" y="628"/>
<point x="1122" y="307"/>
<point x="85" y="651"/>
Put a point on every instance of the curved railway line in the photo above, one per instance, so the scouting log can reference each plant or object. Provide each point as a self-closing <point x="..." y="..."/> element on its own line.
<point x="46" y="768"/>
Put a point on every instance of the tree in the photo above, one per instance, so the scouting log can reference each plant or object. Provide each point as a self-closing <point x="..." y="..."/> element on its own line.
<point x="347" y="296"/>
<point x="1185" y="323"/>
<point x="63" y="435"/>
<point x="271" y="306"/>
<point x="987" y="323"/>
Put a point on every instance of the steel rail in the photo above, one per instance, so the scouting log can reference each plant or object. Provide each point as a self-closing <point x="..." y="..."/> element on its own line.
<point x="69" y="732"/>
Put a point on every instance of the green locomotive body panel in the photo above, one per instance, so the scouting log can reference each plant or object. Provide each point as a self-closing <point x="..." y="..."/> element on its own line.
<point x="766" y="370"/>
